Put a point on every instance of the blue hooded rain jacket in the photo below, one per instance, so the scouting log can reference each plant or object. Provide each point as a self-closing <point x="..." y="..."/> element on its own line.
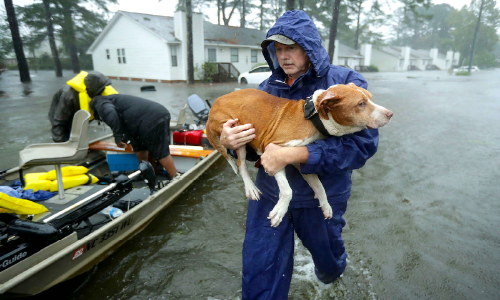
<point x="332" y="159"/>
<point x="268" y="251"/>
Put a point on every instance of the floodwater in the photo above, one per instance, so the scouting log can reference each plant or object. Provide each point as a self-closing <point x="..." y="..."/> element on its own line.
<point x="422" y="221"/>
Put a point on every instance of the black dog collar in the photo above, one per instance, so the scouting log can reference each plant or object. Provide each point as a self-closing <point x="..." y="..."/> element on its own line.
<point x="310" y="113"/>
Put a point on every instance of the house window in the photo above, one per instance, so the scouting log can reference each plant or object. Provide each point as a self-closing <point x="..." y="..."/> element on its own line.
<point x="121" y="56"/>
<point x="254" y="56"/>
<point x="234" y="54"/>
<point x="173" y="55"/>
<point x="212" y="55"/>
<point x="108" y="56"/>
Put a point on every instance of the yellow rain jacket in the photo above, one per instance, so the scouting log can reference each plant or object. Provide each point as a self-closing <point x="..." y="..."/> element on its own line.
<point x="73" y="96"/>
<point x="78" y="83"/>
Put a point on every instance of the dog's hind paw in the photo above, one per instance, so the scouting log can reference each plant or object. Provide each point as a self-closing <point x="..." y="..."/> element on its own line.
<point x="252" y="192"/>
<point x="327" y="210"/>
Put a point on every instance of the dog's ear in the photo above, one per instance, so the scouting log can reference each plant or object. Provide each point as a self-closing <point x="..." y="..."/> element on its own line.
<point x="327" y="102"/>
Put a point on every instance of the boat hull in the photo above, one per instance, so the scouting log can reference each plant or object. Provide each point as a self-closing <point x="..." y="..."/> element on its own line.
<point x="70" y="257"/>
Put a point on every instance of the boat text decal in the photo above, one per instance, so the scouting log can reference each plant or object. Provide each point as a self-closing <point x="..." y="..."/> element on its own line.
<point x="102" y="238"/>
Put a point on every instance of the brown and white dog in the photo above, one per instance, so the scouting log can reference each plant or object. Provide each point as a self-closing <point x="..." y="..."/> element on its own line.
<point x="342" y="109"/>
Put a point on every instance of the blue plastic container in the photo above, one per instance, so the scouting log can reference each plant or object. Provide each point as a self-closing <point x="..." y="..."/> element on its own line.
<point x="122" y="162"/>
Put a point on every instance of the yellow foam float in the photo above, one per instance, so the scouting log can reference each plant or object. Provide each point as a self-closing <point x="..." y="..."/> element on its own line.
<point x="72" y="181"/>
<point x="72" y="176"/>
<point x="10" y="204"/>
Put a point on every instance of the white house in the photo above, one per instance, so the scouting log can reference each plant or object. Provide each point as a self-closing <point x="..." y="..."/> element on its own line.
<point x="153" y="48"/>
<point x="350" y="57"/>
<point x="392" y="58"/>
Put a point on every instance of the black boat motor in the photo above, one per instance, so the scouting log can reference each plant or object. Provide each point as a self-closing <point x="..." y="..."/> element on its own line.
<point x="199" y="108"/>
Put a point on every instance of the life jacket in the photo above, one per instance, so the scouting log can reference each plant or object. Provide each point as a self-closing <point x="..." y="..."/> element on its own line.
<point x="72" y="176"/>
<point x="78" y="83"/>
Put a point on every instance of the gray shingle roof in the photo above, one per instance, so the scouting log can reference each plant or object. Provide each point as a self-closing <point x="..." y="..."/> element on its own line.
<point x="421" y="53"/>
<point x="214" y="34"/>
<point x="161" y="25"/>
<point x="220" y="34"/>
<point x="391" y="51"/>
<point x="346" y="51"/>
<point x="398" y="49"/>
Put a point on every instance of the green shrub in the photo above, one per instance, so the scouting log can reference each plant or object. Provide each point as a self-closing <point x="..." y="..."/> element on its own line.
<point x="207" y="71"/>
<point x="373" y="68"/>
<point x="463" y="73"/>
<point x="485" y="60"/>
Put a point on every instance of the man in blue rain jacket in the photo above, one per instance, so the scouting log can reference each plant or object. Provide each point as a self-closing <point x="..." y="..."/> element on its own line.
<point x="300" y="66"/>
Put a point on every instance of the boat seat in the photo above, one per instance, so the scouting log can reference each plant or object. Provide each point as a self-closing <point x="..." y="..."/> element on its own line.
<point x="70" y="152"/>
<point x="181" y="119"/>
<point x="177" y="124"/>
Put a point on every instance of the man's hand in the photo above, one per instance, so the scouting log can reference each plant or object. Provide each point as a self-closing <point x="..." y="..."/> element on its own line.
<point x="234" y="137"/>
<point x="121" y="144"/>
<point x="272" y="159"/>
<point x="276" y="157"/>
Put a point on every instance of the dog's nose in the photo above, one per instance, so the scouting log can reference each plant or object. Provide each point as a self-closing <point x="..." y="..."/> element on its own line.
<point x="389" y="114"/>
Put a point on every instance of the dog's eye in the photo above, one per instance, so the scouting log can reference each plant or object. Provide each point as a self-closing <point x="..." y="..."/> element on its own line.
<point x="362" y="104"/>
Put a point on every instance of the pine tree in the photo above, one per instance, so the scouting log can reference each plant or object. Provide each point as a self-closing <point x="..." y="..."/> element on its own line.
<point x="24" y="72"/>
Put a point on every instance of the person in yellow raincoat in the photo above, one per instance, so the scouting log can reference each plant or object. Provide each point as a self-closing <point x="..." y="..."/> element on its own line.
<point x="66" y="102"/>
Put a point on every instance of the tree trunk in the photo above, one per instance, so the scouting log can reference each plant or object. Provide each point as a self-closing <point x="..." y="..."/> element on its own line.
<point x="70" y="40"/>
<point x="301" y="4"/>
<point x="189" y="21"/>
<point x="34" y="60"/>
<point x="333" y="30"/>
<point x="243" y="13"/>
<point x="261" y="28"/>
<point x="290" y="5"/>
<point x="24" y="71"/>
<point x="226" y="21"/>
<point x="52" y="42"/>
<point x="218" y="11"/>
<point x="357" y="26"/>
<point x="475" y="36"/>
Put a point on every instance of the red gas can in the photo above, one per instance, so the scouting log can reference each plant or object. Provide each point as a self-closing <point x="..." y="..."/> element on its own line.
<point x="192" y="137"/>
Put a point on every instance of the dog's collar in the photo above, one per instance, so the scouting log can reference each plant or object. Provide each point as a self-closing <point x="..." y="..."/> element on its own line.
<point x="310" y="113"/>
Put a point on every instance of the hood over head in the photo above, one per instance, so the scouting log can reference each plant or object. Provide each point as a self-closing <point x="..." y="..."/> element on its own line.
<point x="296" y="26"/>
<point x="96" y="82"/>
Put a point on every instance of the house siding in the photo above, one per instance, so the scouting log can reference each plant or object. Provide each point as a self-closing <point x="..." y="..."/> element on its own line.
<point x="244" y="64"/>
<point x="177" y="72"/>
<point x="384" y="61"/>
<point x="147" y="56"/>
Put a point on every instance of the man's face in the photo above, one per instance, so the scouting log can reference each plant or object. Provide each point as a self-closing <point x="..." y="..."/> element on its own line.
<point x="293" y="59"/>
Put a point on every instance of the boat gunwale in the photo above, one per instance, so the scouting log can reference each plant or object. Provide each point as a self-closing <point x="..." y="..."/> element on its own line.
<point x="32" y="271"/>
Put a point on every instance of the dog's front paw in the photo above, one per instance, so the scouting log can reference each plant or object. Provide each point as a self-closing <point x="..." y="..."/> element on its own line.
<point x="327" y="210"/>
<point x="277" y="214"/>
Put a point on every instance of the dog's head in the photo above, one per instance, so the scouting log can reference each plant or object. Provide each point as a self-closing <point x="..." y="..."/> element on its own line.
<point x="350" y="106"/>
